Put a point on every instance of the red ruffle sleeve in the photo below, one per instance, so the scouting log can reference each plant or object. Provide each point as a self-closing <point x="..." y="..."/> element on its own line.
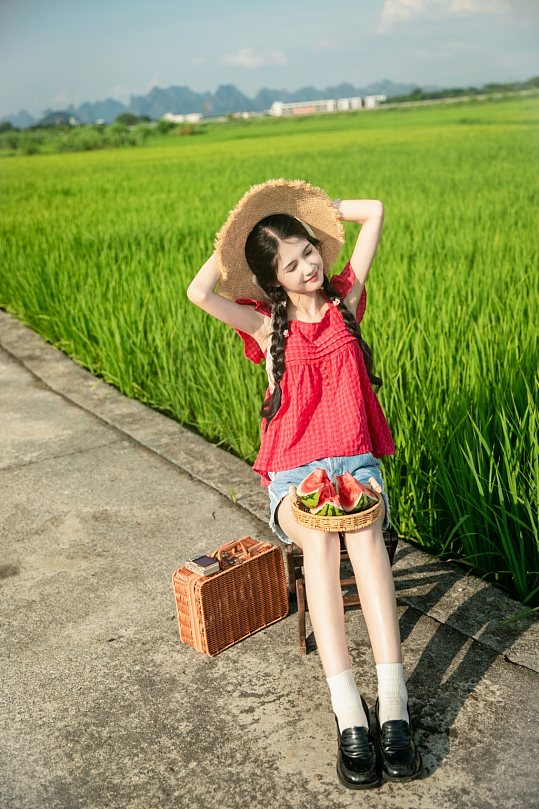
<point x="252" y="350"/>
<point x="343" y="283"/>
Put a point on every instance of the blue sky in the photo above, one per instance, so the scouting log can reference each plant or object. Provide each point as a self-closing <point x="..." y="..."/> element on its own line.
<point x="57" y="52"/>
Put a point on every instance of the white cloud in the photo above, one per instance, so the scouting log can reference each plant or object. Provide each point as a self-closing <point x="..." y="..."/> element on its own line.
<point x="249" y="58"/>
<point x="324" y="45"/>
<point x="61" y="100"/>
<point x="479" y="7"/>
<point x="394" y="11"/>
<point x="119" y="92"/>
<point x="123" y="93"/>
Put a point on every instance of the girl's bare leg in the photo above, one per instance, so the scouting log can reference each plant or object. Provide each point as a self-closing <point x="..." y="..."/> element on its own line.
<point x="374" y="579"/>
<point x="321" y="561"/>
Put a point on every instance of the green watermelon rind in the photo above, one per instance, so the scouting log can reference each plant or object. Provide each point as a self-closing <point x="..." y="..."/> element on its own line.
<point x="332" y="506"/>
<point x="310" y="498"/>
<point x="363" y="502"/>
<point x="329" y="510"/>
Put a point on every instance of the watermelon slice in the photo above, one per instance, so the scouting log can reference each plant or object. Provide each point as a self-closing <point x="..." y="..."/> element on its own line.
<point x="353" y="495"/>
<point x="328" y="502"/>
<point x="310" y="488"/>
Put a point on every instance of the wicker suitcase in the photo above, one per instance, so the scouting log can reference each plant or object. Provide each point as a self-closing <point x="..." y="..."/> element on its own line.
<point x="248" y="593"/>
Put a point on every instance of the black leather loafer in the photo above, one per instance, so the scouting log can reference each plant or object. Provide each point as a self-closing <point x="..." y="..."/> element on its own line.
<point x="400" y="758"/>
<point x="356" y="757"/>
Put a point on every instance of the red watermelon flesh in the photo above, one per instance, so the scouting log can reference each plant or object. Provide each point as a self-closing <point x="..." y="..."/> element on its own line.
<point x="310" y="488"/>
<point x="353" y="495"/>
<point x="328" y="503"/>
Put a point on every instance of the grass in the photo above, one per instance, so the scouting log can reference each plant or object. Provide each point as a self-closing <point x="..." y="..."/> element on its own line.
<point x="98" y="249"/>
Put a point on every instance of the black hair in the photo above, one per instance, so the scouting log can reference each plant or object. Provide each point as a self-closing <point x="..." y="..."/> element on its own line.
<point x="261" y="253"/>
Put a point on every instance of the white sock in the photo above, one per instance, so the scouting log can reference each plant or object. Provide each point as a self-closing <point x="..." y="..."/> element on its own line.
<point x="346" y="701"/>
<point x="392" y="693"/>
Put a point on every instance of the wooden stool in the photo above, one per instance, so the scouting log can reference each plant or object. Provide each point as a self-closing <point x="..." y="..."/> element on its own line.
<point x="296" y="583"/>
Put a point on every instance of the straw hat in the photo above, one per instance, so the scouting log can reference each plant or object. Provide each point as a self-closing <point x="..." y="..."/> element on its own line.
<point x="308" y="203"/>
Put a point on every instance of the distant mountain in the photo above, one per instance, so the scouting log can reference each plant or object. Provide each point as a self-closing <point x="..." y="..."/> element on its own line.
<point x="229" y="98"/>
<point x="390" y="88"/>
<point x="226" y="99"/>
<point x="21" y="120"/>
<point x="99" y="110"/>
<point x="57" y="118"/>
<point x="172" y="99"/>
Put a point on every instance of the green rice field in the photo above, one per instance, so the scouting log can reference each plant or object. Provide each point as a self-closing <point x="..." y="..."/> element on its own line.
<point x="97" y="250"/>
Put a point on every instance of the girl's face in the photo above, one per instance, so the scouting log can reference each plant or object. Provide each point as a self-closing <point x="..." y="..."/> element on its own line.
<point x="300" y="266"/>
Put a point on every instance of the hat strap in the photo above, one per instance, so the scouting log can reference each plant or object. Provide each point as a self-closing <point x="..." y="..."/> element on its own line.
<point x="269" y="358"/>
<point x="307" y="227"/>
<point x="254" y="279"/>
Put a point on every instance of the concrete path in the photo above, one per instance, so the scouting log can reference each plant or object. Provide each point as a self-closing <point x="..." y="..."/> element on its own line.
<point x="102" y="706"/>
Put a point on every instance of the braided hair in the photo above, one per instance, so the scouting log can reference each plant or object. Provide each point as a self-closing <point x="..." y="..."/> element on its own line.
<point x="261" y="252"/>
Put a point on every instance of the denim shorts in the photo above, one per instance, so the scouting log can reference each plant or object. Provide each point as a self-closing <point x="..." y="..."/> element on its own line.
<point x="362" y="467"/>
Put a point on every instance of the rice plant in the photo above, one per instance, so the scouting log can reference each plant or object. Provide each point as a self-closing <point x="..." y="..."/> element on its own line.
<point x="98" y="249"/>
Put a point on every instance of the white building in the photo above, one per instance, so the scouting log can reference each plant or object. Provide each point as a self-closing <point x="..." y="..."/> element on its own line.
<point x="190" y="117"/>
<point x="373" y="101"/>
<point x="303" y="107"/>
<point x="281" y="108"/>
<point x="346" y="104"/>
<point x="247" y="114"/>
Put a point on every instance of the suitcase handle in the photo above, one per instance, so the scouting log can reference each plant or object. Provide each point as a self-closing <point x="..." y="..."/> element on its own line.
<point x="230" y="550"/>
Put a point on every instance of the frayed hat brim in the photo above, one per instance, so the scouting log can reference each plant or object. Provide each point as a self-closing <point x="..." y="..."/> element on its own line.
<point x="306" y="202"/>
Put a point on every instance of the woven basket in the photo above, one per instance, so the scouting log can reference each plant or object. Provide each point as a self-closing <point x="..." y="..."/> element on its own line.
<point x="346" y="522"/>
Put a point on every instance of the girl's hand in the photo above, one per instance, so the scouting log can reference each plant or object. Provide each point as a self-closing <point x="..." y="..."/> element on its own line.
<point x="292" y="490"/>
<point x="374" y="485"/>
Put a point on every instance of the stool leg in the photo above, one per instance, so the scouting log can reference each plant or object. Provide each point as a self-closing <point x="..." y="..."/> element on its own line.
<point x="391" y="539"/>
<point x="291" y="573"/>
<point x="300" y="594"/>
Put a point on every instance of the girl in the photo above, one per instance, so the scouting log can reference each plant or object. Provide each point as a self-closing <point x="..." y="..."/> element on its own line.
<point x="271" y="259"/>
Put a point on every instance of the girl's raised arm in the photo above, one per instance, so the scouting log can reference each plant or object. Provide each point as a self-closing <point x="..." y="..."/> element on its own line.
<point x="245" y="318"/>
<point x="369" y="213"/>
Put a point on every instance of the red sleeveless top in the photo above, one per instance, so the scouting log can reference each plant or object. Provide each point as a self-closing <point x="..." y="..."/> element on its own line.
<point x="328" y="406"/>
